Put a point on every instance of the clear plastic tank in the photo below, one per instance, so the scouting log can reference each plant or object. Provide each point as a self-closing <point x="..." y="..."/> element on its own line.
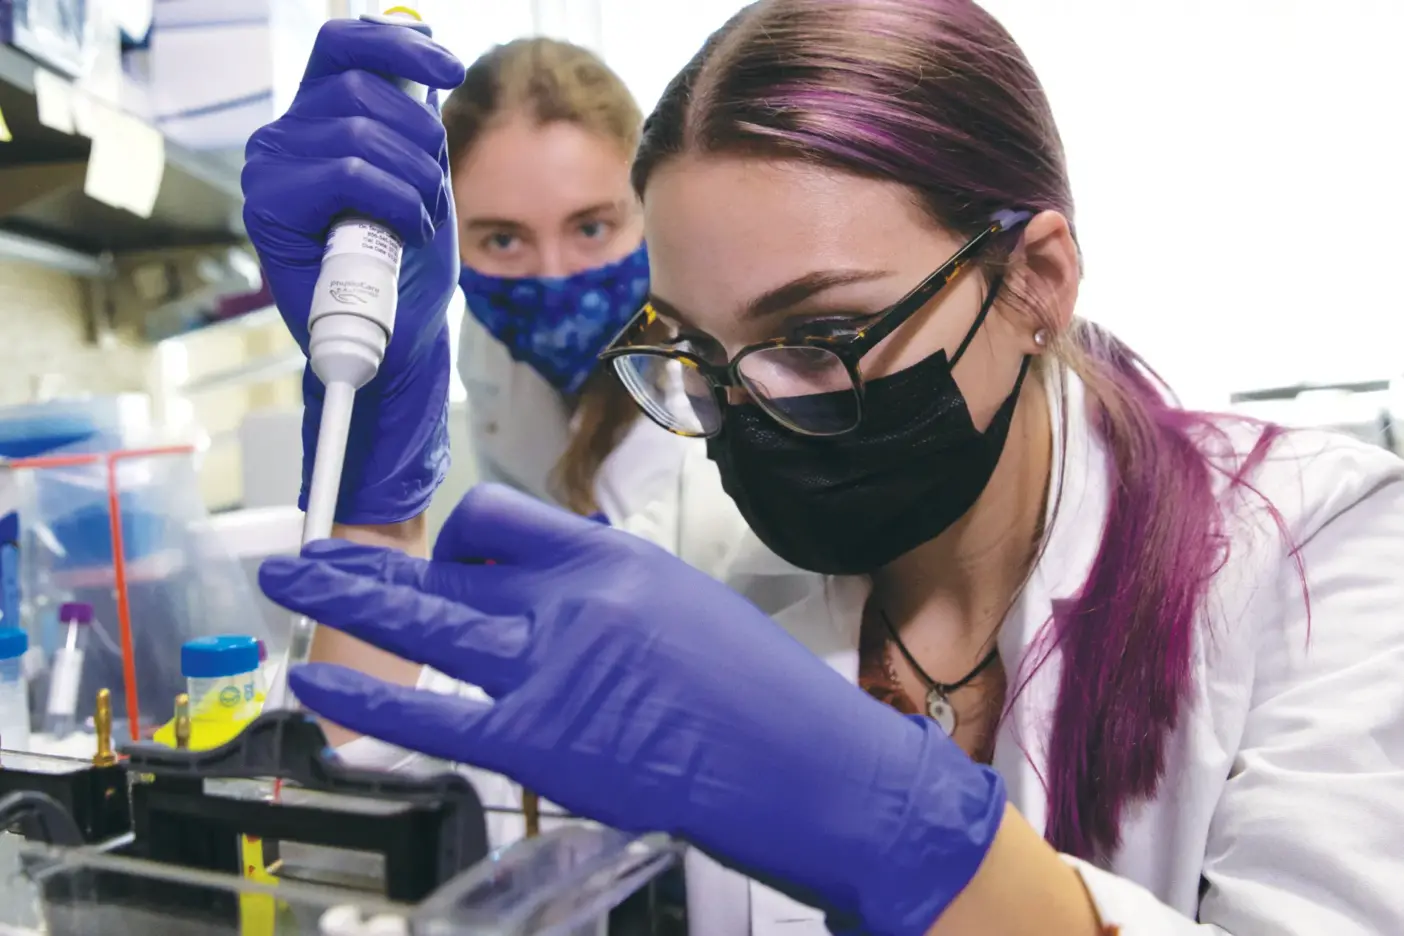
<point x="562" y="884"/>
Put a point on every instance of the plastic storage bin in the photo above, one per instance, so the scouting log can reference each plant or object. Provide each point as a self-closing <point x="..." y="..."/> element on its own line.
<point x="155" y="577"/>
<point x="95" y="424"/>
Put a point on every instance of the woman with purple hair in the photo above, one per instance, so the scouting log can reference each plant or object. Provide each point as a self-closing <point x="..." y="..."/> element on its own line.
<point x="1053" y="655"/>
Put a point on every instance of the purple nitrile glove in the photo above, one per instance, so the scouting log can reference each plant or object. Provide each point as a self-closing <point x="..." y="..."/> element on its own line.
<point x="353" y="142"/>
<point x="638" y="691"/>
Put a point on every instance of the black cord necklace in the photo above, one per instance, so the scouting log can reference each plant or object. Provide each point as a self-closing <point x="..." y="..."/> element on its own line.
<point x="938" y="703"/>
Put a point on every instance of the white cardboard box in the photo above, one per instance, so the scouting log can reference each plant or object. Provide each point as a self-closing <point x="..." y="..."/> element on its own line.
<point x="220" y="69"/>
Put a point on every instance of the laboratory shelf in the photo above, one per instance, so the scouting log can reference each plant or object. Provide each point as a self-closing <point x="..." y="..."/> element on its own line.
<point x="42" y="197"/>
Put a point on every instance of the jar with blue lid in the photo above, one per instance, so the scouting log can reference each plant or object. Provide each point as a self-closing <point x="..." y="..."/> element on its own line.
<point x="221" y="677"/>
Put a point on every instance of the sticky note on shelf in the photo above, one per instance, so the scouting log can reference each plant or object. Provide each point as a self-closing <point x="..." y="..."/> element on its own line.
<point x="127" y="160"/>
<point x="54" y="98"/>
<point x="81" y="108"/>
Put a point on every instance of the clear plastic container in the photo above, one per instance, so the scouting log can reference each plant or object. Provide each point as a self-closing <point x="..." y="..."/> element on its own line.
<point x="221" y="678"/>
<point x="14" y="692"/>
<point x="564" y="883"/>
<point x="181" y="582"/>
<point x="66" y="674"/>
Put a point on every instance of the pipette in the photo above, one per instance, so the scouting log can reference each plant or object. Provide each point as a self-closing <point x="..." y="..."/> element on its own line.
<point x="350" y="323"/>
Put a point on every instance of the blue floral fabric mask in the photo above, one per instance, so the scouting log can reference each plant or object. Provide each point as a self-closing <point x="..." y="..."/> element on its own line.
<point x="559" y="325"/>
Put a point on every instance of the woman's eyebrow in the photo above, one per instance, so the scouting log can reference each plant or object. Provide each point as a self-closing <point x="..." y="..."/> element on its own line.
<point x="599" y="208"/>
<point x="787" y="296"/>
<point x="782" y="298"/>
<point x="493" y="224"/>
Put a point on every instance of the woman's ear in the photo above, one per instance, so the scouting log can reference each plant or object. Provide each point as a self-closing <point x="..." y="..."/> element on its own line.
<point x="1046" y="271"/>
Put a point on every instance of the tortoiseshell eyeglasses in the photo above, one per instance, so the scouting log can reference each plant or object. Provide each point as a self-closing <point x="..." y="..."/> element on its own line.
<point x="808" y="384"/>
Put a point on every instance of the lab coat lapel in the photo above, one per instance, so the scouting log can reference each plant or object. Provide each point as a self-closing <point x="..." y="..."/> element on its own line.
<point x="1077" y="508"/>
<point x="825" y="615"/>
<point x="827" y="619"/>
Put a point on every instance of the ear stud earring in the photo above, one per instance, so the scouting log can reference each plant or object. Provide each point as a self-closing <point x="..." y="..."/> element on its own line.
<point x="1040" y="338"/>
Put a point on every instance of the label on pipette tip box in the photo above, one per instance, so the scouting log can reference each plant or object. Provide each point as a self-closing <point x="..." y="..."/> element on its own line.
<point x="364" y="239"/>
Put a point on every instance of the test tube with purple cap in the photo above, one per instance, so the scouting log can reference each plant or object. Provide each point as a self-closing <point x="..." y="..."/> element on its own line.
<point x="66" y="677"/>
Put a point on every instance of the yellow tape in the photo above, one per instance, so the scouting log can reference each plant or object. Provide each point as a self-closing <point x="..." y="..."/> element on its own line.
<point x="258" y="913"/>
<point x="404" y="10"/>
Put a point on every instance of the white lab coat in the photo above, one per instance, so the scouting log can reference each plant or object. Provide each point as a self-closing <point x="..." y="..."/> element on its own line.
<point x="1284" y="788"/>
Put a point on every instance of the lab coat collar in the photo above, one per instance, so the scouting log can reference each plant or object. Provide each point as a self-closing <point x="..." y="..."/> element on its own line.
<point x="827" y="614"/>
<point x="1077" y="491"/>
<point x="1076" y="515"/>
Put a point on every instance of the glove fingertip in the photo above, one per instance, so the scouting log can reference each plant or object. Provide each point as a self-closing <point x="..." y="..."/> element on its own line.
<point x="458" y="72"/>
<point x="449" y="71"/>
<point x="322" y="680"/>
<point x="332" y="691"/>
<point x="276" y="570"/>
<point x="433" y="724"/>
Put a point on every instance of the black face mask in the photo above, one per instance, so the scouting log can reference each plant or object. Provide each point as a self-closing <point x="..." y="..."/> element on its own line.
<point x="850" y="504"/>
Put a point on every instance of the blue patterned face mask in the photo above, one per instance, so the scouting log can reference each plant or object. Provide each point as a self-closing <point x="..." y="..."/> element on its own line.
<point x="559" y="325"/>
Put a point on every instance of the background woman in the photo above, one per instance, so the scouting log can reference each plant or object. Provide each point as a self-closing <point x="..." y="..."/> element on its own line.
<point x="540" y="137"/>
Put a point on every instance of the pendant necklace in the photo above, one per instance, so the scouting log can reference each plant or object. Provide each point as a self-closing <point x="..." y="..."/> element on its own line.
<point x="938" y="702"/>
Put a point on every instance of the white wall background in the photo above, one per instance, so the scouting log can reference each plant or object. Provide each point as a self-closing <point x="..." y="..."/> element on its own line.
<point x="1236" y="168"/>
<point x="1235" y="163"/>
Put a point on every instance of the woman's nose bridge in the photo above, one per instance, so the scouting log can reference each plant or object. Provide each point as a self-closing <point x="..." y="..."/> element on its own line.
<point x="554" y="262"/>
